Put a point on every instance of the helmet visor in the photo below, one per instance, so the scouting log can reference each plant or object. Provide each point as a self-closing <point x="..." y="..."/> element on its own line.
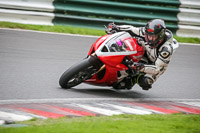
<point x="152" y="37"/>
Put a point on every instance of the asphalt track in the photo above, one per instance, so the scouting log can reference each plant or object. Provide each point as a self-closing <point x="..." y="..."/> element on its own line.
<point x="31" y="64"/>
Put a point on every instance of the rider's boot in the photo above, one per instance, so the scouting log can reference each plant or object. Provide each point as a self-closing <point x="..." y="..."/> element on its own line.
<point x="126" y="83"/>
<point x="130" y="82"/>
<point x="120" y="85"/>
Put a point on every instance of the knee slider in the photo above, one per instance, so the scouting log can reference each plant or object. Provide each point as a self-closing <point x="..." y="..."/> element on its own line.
<point x="148" y="81"/>
<point x="145" y="82"/>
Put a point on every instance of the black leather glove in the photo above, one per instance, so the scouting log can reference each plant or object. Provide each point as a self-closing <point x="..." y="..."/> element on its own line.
<point x="138" y="66"/>
<point x="112" y="28"/>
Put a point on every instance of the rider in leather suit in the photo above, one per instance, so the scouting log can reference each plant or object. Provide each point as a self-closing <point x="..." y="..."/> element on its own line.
<point x="159" y="45"/>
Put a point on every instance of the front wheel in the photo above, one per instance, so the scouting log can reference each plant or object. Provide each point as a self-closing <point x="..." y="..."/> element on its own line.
<point x="77" y="74"/>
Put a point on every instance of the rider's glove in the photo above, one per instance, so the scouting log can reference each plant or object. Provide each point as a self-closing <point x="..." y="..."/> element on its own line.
<point x="138" y="66"/>
<point x="112" y="28"/>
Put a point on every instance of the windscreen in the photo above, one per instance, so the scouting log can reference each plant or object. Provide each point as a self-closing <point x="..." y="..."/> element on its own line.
<point x="119" y="43"/>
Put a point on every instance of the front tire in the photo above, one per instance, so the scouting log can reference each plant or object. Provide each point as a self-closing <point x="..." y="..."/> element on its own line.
<point x="77" y="74"/>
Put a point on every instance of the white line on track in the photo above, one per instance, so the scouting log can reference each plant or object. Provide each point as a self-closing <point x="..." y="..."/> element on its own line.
<point x="63" y="100"/>
<point x="128" y="109"/>
<point x="2" y="122"/>
<point x="14" y="117"/>
<point x="53" y="33"/>
<point x="100" y="110"/>
<point x="191" y="103"/>
<point x="190" y="44"/>
<point x="77" y="35"/>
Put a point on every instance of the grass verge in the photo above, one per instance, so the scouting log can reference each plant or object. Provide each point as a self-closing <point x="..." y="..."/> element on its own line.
<point x="173" y="123"/>
<point x="55" y="28"/>
<point x="76" y="30"/>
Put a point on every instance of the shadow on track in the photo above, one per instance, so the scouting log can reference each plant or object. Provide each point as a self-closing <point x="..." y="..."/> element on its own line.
<point x="108" y="93"/>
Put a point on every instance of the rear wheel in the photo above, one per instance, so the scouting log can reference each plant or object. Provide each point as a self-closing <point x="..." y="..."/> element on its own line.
<point x="77" y="74"/>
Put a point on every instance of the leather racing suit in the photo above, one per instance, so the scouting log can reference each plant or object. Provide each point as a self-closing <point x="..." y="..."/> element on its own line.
<point x="157" y="59"/>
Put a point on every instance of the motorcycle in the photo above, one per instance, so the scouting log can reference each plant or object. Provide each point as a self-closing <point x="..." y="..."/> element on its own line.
<point x="108" y="63"/>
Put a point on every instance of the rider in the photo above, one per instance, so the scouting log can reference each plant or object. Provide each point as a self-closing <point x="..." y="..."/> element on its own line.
<point x="159" y="46"/>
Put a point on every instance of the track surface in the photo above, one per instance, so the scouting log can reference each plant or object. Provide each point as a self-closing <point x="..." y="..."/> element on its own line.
<point x="31" y="64"/>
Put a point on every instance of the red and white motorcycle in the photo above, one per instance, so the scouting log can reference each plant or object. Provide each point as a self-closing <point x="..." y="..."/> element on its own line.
<point x="107" y="64"/>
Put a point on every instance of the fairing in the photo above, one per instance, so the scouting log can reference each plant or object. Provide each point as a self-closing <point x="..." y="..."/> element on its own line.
<point x="111" y="50"/>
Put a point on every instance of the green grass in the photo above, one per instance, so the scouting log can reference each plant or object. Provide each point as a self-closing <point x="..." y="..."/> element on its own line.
<point x="187" y="39"/>
<point x="55" y="28"/>
<point x="76" y="30"/>
<point x="173" y="123"/>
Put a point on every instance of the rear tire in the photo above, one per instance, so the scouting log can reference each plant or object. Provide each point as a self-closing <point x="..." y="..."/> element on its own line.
<point x="77" y="74"/>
